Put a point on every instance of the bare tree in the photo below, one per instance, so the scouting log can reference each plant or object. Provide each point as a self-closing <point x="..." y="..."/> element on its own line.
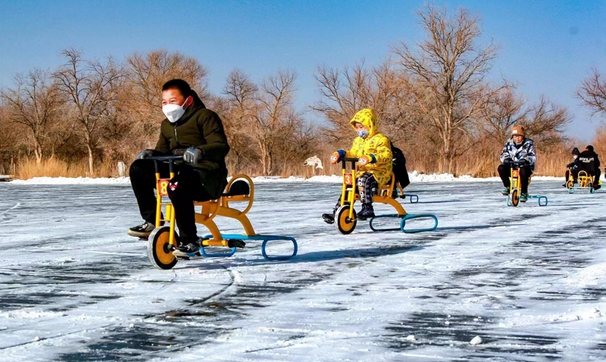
<point x="275" y="116"/>
<point x="34" y="103"/>
<point x="446" y="78"/>
<point x="90" y="88"/>
<point x="593" y="92"/>
<point x="544" y="122"/>
<point x="503" y="110"/>
<point x="240" y="110"/>
<point x="9" y="141"/>
<point x="343" y="92"/>
<point x="262" y="124"/>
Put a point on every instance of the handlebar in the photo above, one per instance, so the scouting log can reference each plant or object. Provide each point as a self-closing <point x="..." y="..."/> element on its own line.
<point x="517" y="164"/>
<point x="170" y="158"/>
<point x="344" y="161"/>
<point x="164" y="158"/>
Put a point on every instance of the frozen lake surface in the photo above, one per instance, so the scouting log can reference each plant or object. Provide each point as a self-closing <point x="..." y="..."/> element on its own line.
<point x="492" y="283"/>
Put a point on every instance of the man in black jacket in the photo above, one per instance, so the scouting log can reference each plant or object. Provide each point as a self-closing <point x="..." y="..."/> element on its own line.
<point x="197" y="134"/>
<point x="589" y="162"/>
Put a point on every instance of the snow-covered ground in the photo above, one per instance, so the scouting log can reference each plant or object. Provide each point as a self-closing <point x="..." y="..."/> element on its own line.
<point x="492" y="283"/>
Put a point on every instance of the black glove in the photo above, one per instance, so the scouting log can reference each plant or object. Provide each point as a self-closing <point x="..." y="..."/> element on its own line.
<point x="178" y="151"/>
<point x="146" y="153"/>
<point x="570" y="165"/>
<point x="508" y="162"/>
<point x="524" y="163"/>
<point x="193" y="155"/>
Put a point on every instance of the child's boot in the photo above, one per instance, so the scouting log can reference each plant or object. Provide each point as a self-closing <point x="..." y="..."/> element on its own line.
<point x="367" y="212"/>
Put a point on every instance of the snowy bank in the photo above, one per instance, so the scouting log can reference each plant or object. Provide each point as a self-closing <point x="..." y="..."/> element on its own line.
<point x="415" y="177"/>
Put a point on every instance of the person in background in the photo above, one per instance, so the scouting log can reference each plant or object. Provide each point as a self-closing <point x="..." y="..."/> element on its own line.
<point x="589" y="162"/>
<point x="520" y="150"/>
<point x="570" y="166"/>
<point x="373" y="151"/>
<point x="196" y="133"/>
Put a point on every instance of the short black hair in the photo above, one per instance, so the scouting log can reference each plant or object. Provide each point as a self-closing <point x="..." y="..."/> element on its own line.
<point x="179" y="84"/>
<point x="590" y="148"/>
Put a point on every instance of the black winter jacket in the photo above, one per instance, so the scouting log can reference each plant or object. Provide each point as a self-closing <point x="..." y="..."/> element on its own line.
<point x="203" y="129"/>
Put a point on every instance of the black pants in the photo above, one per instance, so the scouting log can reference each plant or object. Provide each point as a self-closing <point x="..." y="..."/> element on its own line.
<point x="366" y="186"/>
<point x="505" y="173"/>
<point x="186" y="187"/>
<point x="590" y="171"/>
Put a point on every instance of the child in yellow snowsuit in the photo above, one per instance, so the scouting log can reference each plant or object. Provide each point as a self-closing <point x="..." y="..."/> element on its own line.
<point x="373" y="151"/>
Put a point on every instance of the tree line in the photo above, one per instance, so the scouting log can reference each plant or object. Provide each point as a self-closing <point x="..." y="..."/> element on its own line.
<point x="435" y="100"/>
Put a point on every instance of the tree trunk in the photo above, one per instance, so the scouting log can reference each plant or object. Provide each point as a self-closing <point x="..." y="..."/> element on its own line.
<point x="90" y="159"/>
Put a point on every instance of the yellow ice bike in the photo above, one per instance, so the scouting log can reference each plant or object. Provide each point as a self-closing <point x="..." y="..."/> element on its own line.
<point x="345" y="216"/>
<point x="515" y="188"/>
<point x="240" y="189"/>
<point x="584" y="181"/>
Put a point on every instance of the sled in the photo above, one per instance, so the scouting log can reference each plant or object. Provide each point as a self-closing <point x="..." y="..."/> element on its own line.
<point x="515" y="185"/>
<point x="345" y="216"/>
<point x="584" y="182"/>
<point x="240" y="189"/>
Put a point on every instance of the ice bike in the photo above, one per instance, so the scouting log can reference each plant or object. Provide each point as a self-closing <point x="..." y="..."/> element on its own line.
<point x="515" y="188"/>
<point x="584" y="182"/>
<point x="345" y="216"/>
<point x="163" y="239"/>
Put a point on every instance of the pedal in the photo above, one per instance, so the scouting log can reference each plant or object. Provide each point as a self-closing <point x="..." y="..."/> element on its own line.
<point x="236" y="243"/>
<point x="329" y="219"/>
<point x="179" y="254"/>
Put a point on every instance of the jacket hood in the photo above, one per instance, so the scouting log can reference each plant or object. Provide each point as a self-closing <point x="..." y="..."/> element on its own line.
<point x="367" y="118"/>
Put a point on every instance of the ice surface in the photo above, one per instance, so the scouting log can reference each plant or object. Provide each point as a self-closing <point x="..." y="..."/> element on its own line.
<point x="527" y="281"/>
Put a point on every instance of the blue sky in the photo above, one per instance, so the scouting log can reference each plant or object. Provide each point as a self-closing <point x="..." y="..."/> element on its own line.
<point x="547" y="47"/>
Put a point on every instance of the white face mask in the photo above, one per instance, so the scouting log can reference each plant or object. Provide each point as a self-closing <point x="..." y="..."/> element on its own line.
<point x="174" y="112"/>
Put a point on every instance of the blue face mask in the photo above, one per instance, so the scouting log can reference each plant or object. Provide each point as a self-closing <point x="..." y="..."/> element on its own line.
<point x="363" y="133"/>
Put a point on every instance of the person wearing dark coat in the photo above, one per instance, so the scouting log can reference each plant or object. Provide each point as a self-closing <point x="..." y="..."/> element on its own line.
<point x="589" y="162"/>
<point x="569" y="167"/>
<point x="196" y="133"/>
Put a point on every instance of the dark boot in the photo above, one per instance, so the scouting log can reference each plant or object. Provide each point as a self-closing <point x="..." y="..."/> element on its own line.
<point x="187" y="246"/>
<point x="367" y="212"/>
<point x="330" y="218"/>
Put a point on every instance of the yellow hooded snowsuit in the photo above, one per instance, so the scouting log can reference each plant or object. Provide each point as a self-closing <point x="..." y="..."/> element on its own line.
<point x="374" y="144"/>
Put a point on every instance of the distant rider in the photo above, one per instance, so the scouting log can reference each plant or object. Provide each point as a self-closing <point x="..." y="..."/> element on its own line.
<point x="589" y="162"/>
<point x="520" y="150"/>
<point x="570" y="166"/>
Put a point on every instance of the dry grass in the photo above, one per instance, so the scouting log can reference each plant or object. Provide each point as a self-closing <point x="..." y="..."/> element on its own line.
<point x="57" y="168"/>
<point x="552" y="164"/>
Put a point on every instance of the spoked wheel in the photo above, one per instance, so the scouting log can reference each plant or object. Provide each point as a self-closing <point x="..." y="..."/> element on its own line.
<point x="569" y="185"/>
<point x="515" y="197"/>
<point x="159" y="250"/>
<point x="345" y="225"/>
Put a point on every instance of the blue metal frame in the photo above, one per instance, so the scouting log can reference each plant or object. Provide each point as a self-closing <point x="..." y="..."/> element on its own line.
<point x="265" y="238"/>
<point x="403" y="222"/>
<point x="542" y="200"/>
